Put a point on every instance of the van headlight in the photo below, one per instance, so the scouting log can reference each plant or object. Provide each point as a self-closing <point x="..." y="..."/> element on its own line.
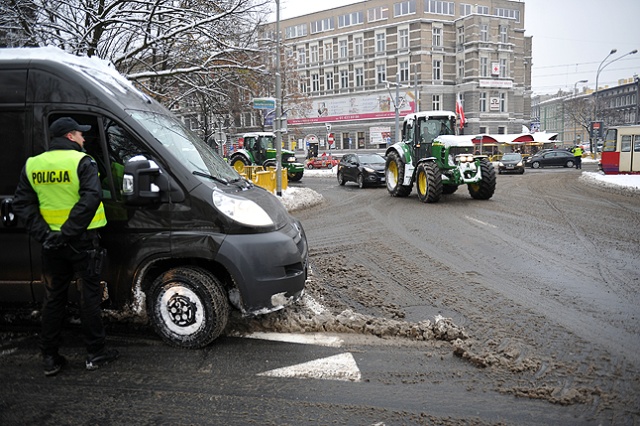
<point x="241" y="210"/>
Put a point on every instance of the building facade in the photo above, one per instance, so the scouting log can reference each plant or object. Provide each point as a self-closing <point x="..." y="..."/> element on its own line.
<point x="360" y="66"/>
<point x="569" y="114"/>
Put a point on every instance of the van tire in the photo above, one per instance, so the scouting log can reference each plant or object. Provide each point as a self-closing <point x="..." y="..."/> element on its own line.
<point x="188" y="307"/>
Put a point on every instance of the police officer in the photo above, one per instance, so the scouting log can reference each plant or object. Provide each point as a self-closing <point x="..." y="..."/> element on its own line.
<point x="58" y="198"/>
<point x="577" y="156"/>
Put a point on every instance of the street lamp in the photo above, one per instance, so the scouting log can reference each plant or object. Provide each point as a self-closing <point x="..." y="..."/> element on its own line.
<point x="278" y="124"/>
<point x="575" y="130"/>
<point x="397" y="104"/>
<point x="595" y="103"/>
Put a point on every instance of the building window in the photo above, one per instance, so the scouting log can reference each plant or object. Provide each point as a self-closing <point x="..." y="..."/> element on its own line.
<point x="503" y="34"/>
<point x="436" y="105"/>
<point x="296" y="31"/>
<point x="358" y="46"/>
<point x="328" y="51"/>
<point x="502" y="130"/>
<point x="503" y="102"/>
<point x="437" y="37"/>
<point x="381" y="42"/>
<point x="484" y="32"/>
<point x="350" y="19"/>
<point x="377" y="13"/>
<point x="439" y="7"/>
<point x="465" y="9"/>
<point x="314" y="54"/>
<point x="503" y="68"/>
<point x="483" y="10"/>
<point x="484" y="67"/>
<point x="344" y="79"/>
<point x="461" y="68"/>
<point x="302" y="86"/>
<point x="359" y="77"/>
<point x="507" y="13"/>
<point x="460" y="39"/>
<point x="482" y="107"/>
<point x="404" y="70"/>
<point x="403" y="38"/>
<point x="322" y="25"/>
<point x="437" y="70"/>
<point x="302" y="56"/>
<point x="483" y="129"/>
<point x="315" y="82"/>
<point x="343" y="49"/>
<point x="404" y="8"/>
<point x="381" y="73"/>
<point x="328" y="81"/>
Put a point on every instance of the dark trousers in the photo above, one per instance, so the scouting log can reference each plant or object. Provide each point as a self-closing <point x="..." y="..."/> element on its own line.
<point x="59" y="267"/>
<point x="578" y="161"/>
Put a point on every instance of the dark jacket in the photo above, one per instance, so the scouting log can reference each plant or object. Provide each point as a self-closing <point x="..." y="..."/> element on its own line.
<point x="27" y="207"/>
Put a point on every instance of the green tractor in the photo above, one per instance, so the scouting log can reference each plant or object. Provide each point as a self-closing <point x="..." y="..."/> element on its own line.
<point x="260" y="149"/>
<point x="437" y="160"/>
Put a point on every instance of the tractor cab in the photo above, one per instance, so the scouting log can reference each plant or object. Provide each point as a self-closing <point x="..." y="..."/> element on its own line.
<point x="419" y="131"/>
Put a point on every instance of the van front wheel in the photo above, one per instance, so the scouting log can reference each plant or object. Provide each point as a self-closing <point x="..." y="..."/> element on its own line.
<point x="188" y="307"/>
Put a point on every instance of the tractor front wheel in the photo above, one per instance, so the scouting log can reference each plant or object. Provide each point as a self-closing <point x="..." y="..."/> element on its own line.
<point x="428" y="182"/>
<point x="239" y="163"/>
<point x="484" y="189"/>
<point x="394" y="176"/>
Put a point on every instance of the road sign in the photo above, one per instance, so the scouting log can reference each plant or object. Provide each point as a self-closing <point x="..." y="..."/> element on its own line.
<point x="264" y="103"/>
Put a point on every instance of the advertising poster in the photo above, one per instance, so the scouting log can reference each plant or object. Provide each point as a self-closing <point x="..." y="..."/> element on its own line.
<point x="350" y="108"/>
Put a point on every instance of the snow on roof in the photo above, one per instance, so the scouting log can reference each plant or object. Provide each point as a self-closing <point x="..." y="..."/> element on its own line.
<point x="99" y="69"/>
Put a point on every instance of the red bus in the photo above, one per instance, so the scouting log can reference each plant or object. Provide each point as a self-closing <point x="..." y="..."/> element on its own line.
<point x="621" y="151"/>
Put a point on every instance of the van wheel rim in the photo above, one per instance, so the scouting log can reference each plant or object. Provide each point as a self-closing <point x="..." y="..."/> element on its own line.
<point x="181" y="310"/>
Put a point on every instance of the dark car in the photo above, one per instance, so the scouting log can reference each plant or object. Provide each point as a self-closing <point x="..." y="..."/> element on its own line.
<point x="556" y="157"/>
<point x="511" y="162"/>
<point x="365" y="169"/>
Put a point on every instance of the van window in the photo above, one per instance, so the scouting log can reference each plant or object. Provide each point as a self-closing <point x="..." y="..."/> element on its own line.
<point x="14" y="150"/>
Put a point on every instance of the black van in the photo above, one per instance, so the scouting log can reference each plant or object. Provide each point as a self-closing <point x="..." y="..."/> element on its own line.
<point x="187" y="237"/>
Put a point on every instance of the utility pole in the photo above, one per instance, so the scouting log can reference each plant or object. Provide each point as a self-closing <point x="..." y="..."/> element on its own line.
<point x="278" y="117"/>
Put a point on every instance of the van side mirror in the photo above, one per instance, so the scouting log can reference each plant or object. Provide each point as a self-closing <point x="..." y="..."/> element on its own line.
<point x="143" y="182"/>
<point x="9" y="219"/>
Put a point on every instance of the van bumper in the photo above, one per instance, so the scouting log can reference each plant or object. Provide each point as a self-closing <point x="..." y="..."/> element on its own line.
<point x="269" y="270"/>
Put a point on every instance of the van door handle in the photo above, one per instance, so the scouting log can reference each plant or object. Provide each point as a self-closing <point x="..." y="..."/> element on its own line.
<point x="8" y="218"/>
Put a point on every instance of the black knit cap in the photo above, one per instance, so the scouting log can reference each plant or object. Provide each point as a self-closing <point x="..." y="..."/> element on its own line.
<point x="64" y="125"/>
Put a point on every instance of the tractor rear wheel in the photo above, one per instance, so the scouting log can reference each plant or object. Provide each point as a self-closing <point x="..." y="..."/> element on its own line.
<point x="394" y="176"/>
<point x="428" y="182"/>
<point x="484" y="189"/>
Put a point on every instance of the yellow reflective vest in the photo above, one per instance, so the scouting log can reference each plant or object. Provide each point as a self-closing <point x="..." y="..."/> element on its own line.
<point x="577" y="152"/>
<point x="54" y="177"/>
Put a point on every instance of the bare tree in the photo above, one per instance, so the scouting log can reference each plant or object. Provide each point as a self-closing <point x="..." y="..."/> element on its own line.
<point x="183" y="53"/>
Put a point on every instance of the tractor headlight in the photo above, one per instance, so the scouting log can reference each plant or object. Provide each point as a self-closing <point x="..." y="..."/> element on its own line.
<point x="291" y="159"/>
<point x="241" y="210"/>
<point x="466" y="158"/>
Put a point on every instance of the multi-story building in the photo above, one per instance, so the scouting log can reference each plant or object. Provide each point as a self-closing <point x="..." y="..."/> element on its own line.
<point x="570" y="114"/>
<point x="358" y="64"/>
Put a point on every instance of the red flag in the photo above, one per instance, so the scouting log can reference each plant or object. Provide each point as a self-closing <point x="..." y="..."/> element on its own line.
<point x="460" y="112"/>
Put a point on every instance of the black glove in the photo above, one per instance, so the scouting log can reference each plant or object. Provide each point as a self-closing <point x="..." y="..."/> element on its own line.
<point x="54" y="241"/>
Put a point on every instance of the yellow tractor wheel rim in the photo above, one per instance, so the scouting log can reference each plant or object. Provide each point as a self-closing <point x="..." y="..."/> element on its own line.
<point x="422" y="183"/>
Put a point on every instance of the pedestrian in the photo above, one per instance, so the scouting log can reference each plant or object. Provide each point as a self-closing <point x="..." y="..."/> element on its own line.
<point x="577" y="156"/>
<point x="59" y="199"/>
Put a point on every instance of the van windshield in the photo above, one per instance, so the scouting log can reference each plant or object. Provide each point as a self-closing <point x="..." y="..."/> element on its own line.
<point x="185" y="146"/>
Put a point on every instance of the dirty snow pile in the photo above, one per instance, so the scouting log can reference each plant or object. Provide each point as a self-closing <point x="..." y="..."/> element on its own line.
<point x="623" y="184"/>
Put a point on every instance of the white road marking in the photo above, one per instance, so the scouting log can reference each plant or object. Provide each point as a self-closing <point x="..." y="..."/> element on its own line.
<point x="341" y="367"/>
<point x="481" y="222"/>
<point x="304" y="338"/>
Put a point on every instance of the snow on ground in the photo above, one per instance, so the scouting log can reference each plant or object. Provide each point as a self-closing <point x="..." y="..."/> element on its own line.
<point x="295" y="198"/>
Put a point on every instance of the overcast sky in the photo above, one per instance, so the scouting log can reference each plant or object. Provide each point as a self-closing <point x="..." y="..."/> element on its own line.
<point x="570" y="38"/>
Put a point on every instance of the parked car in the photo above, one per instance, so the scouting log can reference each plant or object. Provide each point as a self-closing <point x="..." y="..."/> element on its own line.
<point x="364" y="169"/>
<point x="322" y="163"/>
<point x="556" y="157"/>
<point x="511" y="162"/>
